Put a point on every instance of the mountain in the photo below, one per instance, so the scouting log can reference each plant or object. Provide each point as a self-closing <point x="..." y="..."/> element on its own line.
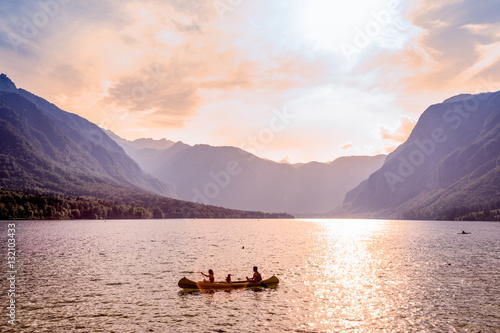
<point x="449" y="164"/>
<point x="46" y="148"/>
<point x="57" y="165"/>
<point x="231" y="177"/>
<point x="143" y="143"/>
<point x="148" y="153"/>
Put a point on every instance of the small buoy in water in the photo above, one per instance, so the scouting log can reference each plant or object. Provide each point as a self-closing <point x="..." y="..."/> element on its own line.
<point x="243" y="247"/>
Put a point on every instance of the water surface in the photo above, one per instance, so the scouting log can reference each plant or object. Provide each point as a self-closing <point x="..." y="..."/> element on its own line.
<point x="335" y="276"/>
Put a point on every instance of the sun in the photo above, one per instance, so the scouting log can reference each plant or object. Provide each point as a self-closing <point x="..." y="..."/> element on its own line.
<point x="326" y="24"/>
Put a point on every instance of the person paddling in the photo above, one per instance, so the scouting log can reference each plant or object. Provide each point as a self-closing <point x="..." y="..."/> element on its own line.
<point x="210" y="276"/>
<point x="256" y="275"/>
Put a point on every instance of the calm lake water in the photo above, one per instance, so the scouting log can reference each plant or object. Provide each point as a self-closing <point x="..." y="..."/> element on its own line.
<point x="335" y="276"/>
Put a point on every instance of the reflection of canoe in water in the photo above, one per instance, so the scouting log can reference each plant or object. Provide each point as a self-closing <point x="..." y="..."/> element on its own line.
<point x="188" y="284"/>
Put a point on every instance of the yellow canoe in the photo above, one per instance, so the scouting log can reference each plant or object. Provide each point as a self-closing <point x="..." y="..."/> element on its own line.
<point x="188" y="284"/>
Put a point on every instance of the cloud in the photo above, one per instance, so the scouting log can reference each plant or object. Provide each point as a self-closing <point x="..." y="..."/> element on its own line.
<point x="122" y="42"/>
<point x="346" y="146"/>
<point x="155" y="87"/>
<point x="388" y="149"/>
<point x="454" y="37"/>
<point x="452" y="48"/>
<point x="401" y="132"/>
<point x="178" y="69"/>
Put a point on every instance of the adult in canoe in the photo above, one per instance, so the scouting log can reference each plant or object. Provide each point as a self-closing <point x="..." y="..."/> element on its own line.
<point x="210" y="276"/>
<point x="256" y="275"/>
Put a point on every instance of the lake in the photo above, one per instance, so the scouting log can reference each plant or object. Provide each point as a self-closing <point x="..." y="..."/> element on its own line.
<point x="335" y="276"/>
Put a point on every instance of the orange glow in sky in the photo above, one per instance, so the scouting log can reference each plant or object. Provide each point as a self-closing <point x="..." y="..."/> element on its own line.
<point x="305" y="80"/>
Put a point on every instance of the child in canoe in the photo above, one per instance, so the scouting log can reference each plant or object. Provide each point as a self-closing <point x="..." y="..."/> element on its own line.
<point x="210" y="276"/>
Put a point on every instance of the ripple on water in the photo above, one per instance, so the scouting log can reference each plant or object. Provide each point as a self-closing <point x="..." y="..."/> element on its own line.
<point x="336" y="276"/>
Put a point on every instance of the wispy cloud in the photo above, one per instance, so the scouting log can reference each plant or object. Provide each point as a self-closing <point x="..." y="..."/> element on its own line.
<point x="401" y="132"/>
<point x="178" y="69"/>
<point x="457" y="35"/>
<point x="346" y="146"/>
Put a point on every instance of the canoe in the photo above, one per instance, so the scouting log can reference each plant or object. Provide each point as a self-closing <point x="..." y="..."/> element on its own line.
<point x="188" y="284"/>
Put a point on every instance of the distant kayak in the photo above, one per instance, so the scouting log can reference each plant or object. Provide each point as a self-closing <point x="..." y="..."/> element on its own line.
<point x="185" y="283"/>
<point x="463" y="233"/>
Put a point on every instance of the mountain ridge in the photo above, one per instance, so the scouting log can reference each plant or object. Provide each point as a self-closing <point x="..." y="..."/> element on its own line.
<point x="200" y="173"/>
<point x="445" y="164"/>
<point x="58" y="165"/>
<point x="67" y="142"/>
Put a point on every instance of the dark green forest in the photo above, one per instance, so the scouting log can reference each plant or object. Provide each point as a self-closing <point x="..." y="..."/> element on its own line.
<point x="22" y="205"/>
<point x="485" y="212"/>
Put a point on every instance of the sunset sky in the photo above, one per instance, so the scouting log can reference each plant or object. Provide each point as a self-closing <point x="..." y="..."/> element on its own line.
<point x="298" y="80"/>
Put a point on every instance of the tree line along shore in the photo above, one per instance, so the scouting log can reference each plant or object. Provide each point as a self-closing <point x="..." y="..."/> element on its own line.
<point x="23" y="205"/>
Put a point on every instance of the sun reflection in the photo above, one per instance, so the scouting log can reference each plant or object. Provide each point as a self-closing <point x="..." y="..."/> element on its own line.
<point x="350" y="227"/>
<point x="344" y="272"/>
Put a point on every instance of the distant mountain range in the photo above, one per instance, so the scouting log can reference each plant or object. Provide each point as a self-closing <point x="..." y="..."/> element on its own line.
<point x="448" y="168"/>
<point x="232" y="177"/>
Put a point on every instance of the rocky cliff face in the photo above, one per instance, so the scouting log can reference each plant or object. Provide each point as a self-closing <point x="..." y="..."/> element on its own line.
<point x="455" y="142"/>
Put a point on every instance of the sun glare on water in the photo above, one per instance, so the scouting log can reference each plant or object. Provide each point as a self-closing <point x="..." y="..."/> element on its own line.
<point x="343" y="270"/>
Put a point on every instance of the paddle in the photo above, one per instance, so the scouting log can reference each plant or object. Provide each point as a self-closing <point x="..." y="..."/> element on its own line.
<point x="262" y="284"/>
